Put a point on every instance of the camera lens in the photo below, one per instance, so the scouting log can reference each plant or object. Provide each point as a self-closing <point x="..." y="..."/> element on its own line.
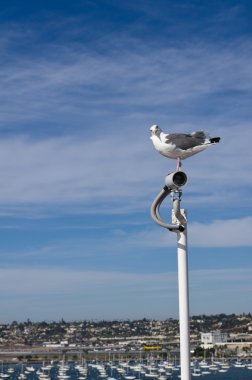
<point x="179" y="179"/>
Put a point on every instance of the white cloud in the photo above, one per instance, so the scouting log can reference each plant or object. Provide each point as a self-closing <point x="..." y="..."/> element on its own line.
<point x="113" y="97"/>
<point x="80" y="294"/>
<point x="114" y="174"/>
<point x="102" y="102"/>
<point x="67" y="169"/>
<point x="218" y="233"/>
<point x="222" y="233"/>
<point x="65" y="281"/>
<point x="71" y="83"/>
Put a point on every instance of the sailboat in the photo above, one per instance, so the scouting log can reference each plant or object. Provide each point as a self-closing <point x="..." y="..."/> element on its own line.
<point x="22" y="376"/>
<point x="196" y="372"/>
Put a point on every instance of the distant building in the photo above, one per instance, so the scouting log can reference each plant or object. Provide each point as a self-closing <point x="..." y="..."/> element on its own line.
<point x="213" y="338"/>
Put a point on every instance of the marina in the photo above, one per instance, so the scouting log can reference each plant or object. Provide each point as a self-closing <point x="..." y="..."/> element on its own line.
<point x="131" y="370"/>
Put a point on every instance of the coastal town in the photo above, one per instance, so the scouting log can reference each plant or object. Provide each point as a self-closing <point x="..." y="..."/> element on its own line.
<point x="219" y="334"/>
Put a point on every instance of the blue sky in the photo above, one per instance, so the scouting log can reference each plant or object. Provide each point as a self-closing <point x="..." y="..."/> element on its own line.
<point x="81" y="83"/>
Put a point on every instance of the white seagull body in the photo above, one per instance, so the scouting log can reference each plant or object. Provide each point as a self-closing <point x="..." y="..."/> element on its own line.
<point x="180" y="146"/>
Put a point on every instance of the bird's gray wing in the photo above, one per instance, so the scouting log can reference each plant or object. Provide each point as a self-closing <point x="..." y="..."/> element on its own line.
<point x="186" y="141"/>
<point x="200" y="135"/>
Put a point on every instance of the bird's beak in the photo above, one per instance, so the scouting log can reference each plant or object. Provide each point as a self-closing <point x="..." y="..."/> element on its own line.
<point x="152" y="130"/>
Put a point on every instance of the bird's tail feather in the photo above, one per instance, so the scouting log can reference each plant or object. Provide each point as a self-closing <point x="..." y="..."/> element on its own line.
<point x="215" y="140"/>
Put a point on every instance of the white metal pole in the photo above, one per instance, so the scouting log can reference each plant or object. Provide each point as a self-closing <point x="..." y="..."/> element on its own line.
<point x="183" y="285"/>
<point x="179" y="225"/>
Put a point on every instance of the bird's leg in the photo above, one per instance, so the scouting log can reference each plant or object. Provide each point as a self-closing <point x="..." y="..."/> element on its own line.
<point x="179" y="164"/>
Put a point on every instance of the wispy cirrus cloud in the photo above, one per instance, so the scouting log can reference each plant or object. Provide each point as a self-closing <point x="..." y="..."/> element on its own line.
<point x="78" y="94"/>
<point x="133" y="250"/>
<point x="128" y="82"/>
<point x="105" y="102"/>
<point x="121" y="173"/>
<point x="102" y="104"/>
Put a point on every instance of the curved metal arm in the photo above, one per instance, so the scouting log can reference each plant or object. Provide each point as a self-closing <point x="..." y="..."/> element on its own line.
<point x="155" y="214"/>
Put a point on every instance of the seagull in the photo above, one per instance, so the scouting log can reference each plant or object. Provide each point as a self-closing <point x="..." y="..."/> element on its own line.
<point x="180" y="146"/>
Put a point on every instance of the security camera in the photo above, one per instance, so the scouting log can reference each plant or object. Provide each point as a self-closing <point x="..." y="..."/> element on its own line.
<point x="175" y="180"/>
